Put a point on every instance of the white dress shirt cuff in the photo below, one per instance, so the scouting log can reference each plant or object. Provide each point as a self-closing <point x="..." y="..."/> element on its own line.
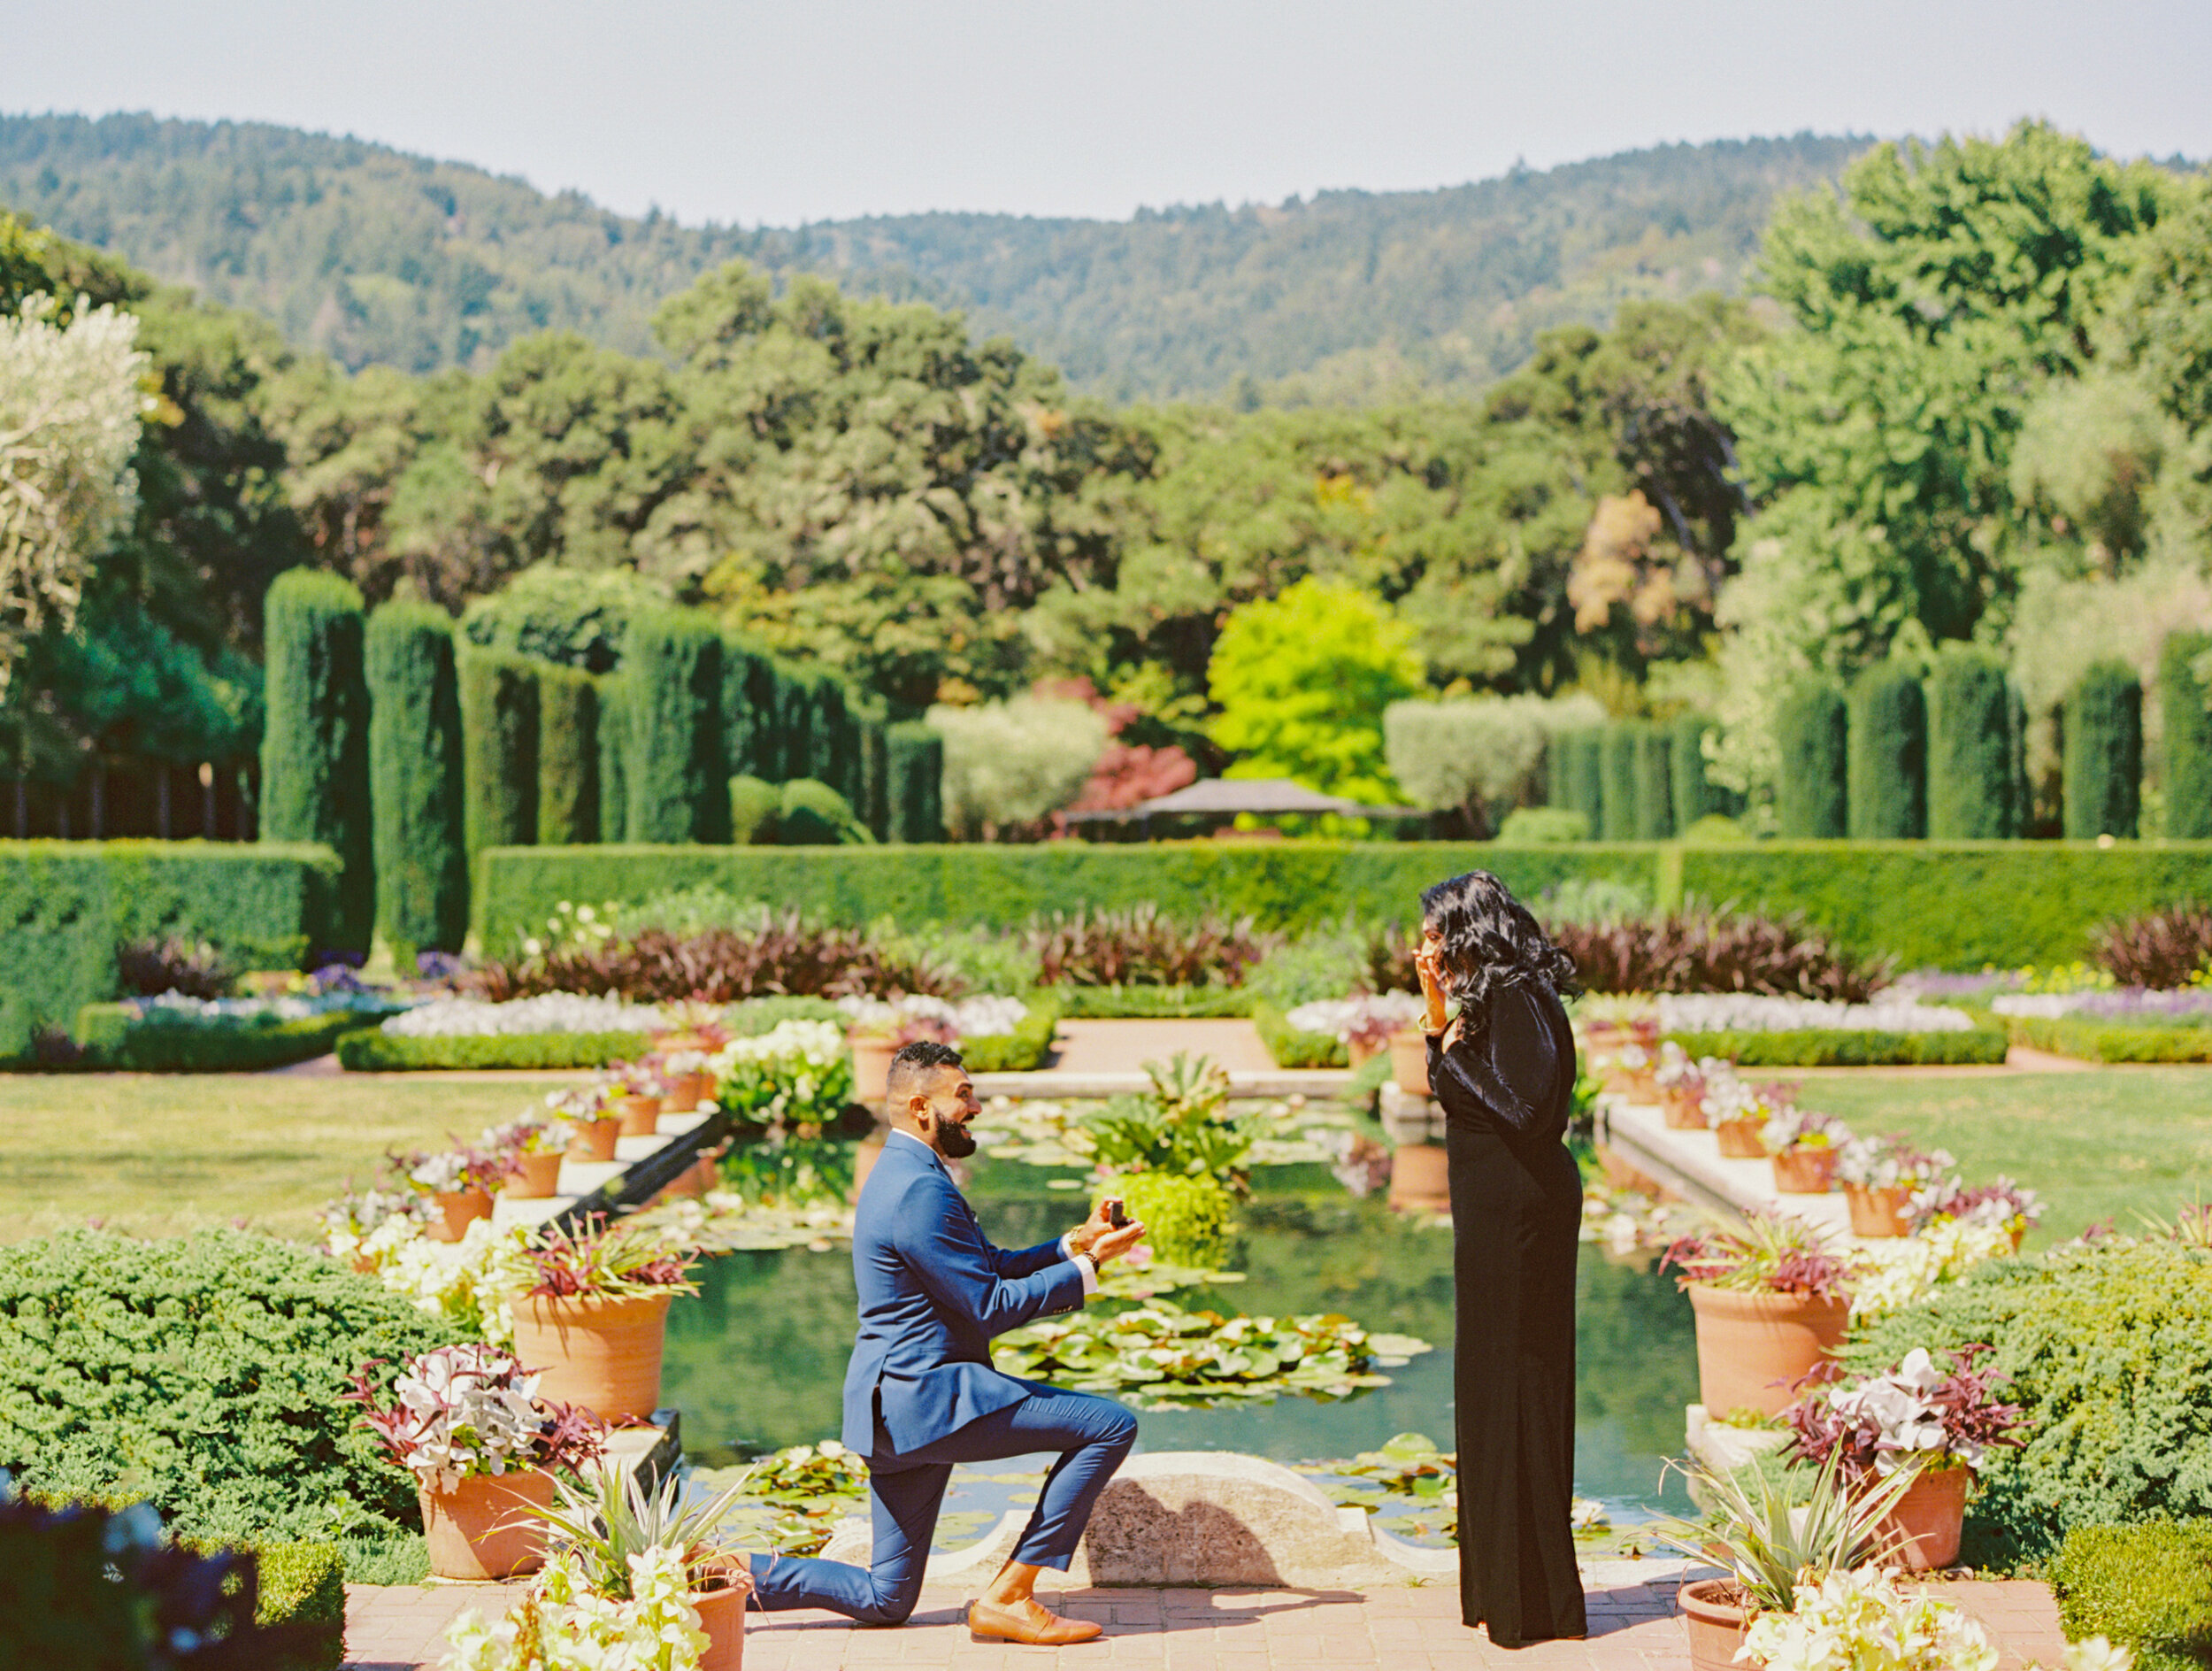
<point x="1083" y="1264"/>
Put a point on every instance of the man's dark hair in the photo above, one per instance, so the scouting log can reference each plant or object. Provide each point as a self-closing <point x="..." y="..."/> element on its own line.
<point x="915" y="1063"/>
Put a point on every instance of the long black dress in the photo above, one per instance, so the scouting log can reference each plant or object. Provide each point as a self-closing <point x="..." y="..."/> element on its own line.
<point x="1517" y="1213"/>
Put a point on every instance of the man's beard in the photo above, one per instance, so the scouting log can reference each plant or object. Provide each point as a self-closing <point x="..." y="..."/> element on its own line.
<point x="954" y="1141"/>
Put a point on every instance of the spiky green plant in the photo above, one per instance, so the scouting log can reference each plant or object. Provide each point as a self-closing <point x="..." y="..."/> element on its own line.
<point x="1771" y="1545"/>
<point x="608" y="1515"/>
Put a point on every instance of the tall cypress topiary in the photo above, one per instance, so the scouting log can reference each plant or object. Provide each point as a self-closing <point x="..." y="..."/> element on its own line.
<point x="678" y="789"/>
<point x="795" y="720"/>
<point x="1888" y="755"/>
<point x="875" y="802"/>
<point x="1582" y="757"/>
<point x="1812" y="734"/>
<point x="614" y="743"/>
<point x="2103" y="754"/>
<point x="1654" y="788"/>
<point x="2184" y="719"/>
<point x="1970" y="747"/>
<point x="1694" y="796"/>
<point x="499" y="751"/>
<point x="914" y="758"/>
<point x="422" y="872"/>
<point x="747" y="704"/>
<point x="315" y="741"/>
<point x="834" y="755"/>
<point x="568" y="757"/>
<point x="1617" y="772"/>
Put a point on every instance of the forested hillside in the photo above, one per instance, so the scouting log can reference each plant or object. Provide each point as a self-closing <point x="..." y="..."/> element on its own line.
<point x="376" y="257"/>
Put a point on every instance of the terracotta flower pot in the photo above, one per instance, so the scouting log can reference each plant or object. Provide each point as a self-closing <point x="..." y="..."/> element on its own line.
<point x="687" y="1091"/>
<point x="1639" y="1083"/>
<point x="1740" y="1139"/>
<point x="595" y="1138"/>
<point x="722" y="1616"/>
<point x="1410" y="1061"/>
<point x="669" y="1044"/>
<point x="1420" y="1178"/>
<point x="1926" y="1522"/>
<point x="640" y="1116"/>
<point x="865" y="1154"/>
<point x="482" y="1528"/>
<point x="534" y="1177"/>
<point x="871" y="1071"/>
<point x="1802" y="1171"/>
<point x="1359" y="1052"/>
<point x="457" y="1209"/>
<point x="1717" y="1626"/>
<point x="1752" y="1347"/>
<point x="604" y="1354"/>
<point x="1685" y="1110"/>
<point x="1877" y="1213"/>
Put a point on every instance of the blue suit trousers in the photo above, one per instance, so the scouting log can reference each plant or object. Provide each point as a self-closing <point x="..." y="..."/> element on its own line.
<point x="1093" y="1435"/>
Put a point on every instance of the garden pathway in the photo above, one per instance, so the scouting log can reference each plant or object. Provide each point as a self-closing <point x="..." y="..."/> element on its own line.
<point x="1416" y="1628"/>
<point x="1110" y="1047"/>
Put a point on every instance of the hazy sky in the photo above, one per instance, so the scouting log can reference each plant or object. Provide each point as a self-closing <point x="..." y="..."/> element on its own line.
<point x="816" y="109"/>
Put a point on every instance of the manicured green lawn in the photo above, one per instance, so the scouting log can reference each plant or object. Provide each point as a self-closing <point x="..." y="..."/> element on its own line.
<point x="157" y="1154"/>
<point x="2108" y="1145"/>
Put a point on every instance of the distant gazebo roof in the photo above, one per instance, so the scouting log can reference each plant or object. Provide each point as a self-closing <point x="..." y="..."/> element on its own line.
<point x="1261" y="797"/>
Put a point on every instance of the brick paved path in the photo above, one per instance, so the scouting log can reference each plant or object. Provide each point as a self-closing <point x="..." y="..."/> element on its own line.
<point x="1632" y="1629"/>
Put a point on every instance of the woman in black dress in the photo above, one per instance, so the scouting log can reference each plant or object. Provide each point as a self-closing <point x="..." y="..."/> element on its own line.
<point x="1504" y="1071"/>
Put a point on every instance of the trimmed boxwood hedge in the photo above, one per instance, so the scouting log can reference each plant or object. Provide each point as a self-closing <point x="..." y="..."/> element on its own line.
<point x="1150" y="1001"/>
<point x="115" y="1036"/>
<point x="374" y="1050"/>
<point x="1835" y="1047"/>
<point x="1291" y="1048"/>
<point x="2148" y="1588"/>
<point x="64" y="906"/>
<point x="2110" y="1041"/>
<point x="1020" y="1052"/>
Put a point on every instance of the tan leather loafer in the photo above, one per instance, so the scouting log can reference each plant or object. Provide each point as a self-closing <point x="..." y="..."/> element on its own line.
<point x="1029" y="1625"/>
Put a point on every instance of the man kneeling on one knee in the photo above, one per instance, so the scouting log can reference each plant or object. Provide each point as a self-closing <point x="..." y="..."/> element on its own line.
<point x="920" y="1394"/>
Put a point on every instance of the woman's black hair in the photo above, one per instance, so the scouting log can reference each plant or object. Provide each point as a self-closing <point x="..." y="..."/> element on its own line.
<point x="1490" y="943"/>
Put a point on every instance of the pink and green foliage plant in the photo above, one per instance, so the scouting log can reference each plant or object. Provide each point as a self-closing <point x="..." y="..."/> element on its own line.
<point x="2002" y="1202"/>
<point x="1920" y="1415"/>
<point x="608" y="1261"/>
<point x="1892" y="1162"/>
<point x="1790" y="1128"/>
<point x="450" y="1171"/>
<point x="1765" y="1253"/>
<point x="459" y="1412"/>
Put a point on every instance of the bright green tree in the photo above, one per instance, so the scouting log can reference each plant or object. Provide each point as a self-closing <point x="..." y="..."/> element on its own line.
<point x="1302" y="681"/>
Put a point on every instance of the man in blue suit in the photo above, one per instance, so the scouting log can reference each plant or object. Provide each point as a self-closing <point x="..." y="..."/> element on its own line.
<point x="920" y="1394"/>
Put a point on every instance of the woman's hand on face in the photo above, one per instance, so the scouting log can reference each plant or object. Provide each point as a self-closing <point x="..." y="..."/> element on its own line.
<point x="1432" y="986"/>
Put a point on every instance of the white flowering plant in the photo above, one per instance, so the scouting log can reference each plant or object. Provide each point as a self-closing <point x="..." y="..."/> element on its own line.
<point x="458" y="1412"/>
<point x="1872" y="1619"/>
<point x="797" y="1077"/>
<point x="1892" y="1162"/>
<point x="562" y="1625"/>
<point x="2006" y="1204"/>
<point x="1902" y="1270"/>
<point x="1790" y="1127"/>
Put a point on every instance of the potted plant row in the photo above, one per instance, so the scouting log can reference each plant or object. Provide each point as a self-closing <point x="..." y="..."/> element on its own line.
<point x="1934" y="1424"/>
<point x="2004" y="1202"/>
<point x="469" y="1423"/>
<point x="597" y="1313"/>
<point x="1772" y="1301"/>
<point x="458" y="1183"/>
<point x="1880" y="1176"/>
<point x="1680" y="1081"/>
<point x="594" y="1128"/>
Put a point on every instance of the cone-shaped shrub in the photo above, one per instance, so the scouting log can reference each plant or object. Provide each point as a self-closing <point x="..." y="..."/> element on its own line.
<point x="678" y="789"/>
<point x="1970" y="747"/>
<point x="499" y="751"/>
<point x="1810" y="800"/>
<point x="315" y="741"/>
<point x="422" y="872"/>
<point x="1888" y="755"/>
<point x="568" y="757"/>
<point x="2184" y="719"/>
<point x="2103" y="757"/>
<point x="1616" y="772"/>
<point x="1655" y="791"/>
<point x="1694" y="795"/>
<point x="915" y="772"/>
<point x="614" y="746"/>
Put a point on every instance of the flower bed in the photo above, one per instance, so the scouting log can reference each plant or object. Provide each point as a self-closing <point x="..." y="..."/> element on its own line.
<point x="2097" y="1041"/>
<point x="1748" y="1013"/>
<point x="375" y="1051"/>
<point x="548" y="1012"/>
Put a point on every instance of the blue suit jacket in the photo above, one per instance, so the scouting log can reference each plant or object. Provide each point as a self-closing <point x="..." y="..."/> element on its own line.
<point x="933" y="1293"/>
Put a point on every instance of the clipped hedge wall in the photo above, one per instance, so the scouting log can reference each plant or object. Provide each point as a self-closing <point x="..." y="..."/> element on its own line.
<point x="2185" y="725"/>
<point x="674" y="767"/>
<point x="2148" y="1588"/>
<point x="499" y="751"/>
<point x="1835" y="1047"/>
<point x="1887" y="755"/>
<point x="374" y="1050"/>
<point x="1020" y="1052"/>
<point x="115" y="1036"/>
<point x="65" y="905"/>
<point x="614" y="742"/>
<point x="1617" y="776"/>
<point x="914" y="774"/>
<point x="1291" y="1048"/>
<point x="1941" y="904"/>
<point x="315" y="741"/>
<point x="2094" y="1041"/>
<point x="568" y="756"/>
<point x="2103" y="761"/>
<point x="1969" y="748"/>
<point x="1811" y="795"/>
<point x="1654" y="787"/>
<point x="1694" y="796"/>
<point x="422" y="875"/>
